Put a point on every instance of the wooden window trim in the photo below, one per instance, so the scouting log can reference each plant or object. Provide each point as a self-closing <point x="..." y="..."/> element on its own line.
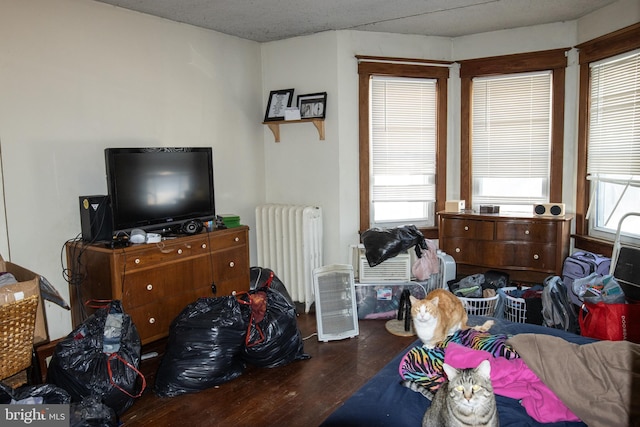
<point x="621" y="41"/>
<point x="397" y="67"/>
<point x="554" y="60"/>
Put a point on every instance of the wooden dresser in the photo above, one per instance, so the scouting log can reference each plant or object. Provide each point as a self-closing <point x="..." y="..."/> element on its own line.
<point x="527" y="247"/>
<point x="156" y="281"/>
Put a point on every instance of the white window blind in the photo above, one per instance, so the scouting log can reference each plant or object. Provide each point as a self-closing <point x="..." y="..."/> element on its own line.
<point x="511" y="140"/>
<point x="613" y="153"/>
<point x="403" y="150"/>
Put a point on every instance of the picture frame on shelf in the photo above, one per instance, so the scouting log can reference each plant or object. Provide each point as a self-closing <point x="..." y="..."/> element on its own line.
<point x="313" y="105"/>
<point x="279" y="101"/>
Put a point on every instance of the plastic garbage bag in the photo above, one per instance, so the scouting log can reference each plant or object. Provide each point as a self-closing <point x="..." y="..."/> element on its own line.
<point x="261" y="277"/>
<point x="273" y="338"/>
<point x="41" y="394"/>
<point x="381" y="244"/>
<point x="90" y="412"/>
<point x="203" y="349"/>
<point x="83" y="365"/>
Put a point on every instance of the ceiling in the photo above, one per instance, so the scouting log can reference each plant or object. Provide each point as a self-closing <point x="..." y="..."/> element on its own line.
<point x="270" y="20"/>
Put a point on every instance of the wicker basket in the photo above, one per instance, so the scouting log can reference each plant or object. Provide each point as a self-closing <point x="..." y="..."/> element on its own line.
<point x="515" y="309"/>
<point x="17" y="324"/>
<point x="480" y="306"/>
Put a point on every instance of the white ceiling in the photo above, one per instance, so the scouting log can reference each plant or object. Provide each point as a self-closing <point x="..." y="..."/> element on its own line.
<point x="269" y="20"/>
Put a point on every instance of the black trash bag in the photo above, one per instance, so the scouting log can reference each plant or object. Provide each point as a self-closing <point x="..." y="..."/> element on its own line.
<point x="381" y="244"/>
<point x="44" y="394"/>
<point x="261" y="277"/>
<point x="100" y="358"/>
<point x="90" y="412"/>
<point x="203" y="349"/>
<point x="273" y="338"/>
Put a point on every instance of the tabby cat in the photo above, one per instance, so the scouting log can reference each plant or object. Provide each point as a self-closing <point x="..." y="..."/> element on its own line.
<point x="465" y="399"/>
<point x="439" y="315"/>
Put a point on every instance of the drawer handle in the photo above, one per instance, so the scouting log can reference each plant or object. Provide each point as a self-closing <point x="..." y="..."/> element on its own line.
<point x="137" y="261"/>
<point x="232" y="264"/>
<point x="536" y="256"/>
<point x="188" y="246"/>
<point x="457" y="250"/>
<point x="204" y="246"/>
<point x="179" y="251"/>
<point x="237" y="239"/>
<point x="152" y="320"/>
<point x="526" y="232"/>
<point x="149" y="287"/>
<point x="466" y="228"/>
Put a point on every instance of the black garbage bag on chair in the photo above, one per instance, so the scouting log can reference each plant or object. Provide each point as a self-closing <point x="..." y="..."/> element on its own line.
<point x="381" y="244"/>
<point x="203" y="349"/>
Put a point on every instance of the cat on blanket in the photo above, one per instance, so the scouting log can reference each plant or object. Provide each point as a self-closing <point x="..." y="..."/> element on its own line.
<point x="439" y="315"/>
<point x="466" y="399"/>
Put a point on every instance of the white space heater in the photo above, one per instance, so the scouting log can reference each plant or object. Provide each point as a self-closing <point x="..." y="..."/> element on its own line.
<point x="336" y="309"/>
<point x="289" y="242"/>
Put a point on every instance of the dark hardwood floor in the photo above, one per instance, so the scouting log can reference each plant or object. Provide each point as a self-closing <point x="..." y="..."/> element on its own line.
<point x="302" y="393"/>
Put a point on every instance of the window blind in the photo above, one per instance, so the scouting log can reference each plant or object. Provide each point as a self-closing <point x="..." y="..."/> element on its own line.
<point x="403" y="139"/>
<point x="614" y="117"/>
<point x="511" y="138"/>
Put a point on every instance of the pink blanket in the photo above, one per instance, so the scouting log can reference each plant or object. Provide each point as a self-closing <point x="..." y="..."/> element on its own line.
<point x="512" y="378"/>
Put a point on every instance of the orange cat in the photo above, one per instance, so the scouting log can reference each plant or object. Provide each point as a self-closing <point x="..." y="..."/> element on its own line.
<point x="439" y="315"/>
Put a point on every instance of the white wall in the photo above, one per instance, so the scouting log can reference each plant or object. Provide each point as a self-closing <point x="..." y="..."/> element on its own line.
<point x="77" y="76"/>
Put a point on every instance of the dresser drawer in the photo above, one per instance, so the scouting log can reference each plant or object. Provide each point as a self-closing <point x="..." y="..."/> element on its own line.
<point x="466" y="228"/>
<point x="535" y="256"/>
<point x="155" y="254"/>
<point x="541" y="232"/>
<point x="230" y="239"/>
<point x="230" y="264"/>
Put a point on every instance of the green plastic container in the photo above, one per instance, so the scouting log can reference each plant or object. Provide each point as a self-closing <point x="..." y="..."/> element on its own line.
<point x="230" y="220"/>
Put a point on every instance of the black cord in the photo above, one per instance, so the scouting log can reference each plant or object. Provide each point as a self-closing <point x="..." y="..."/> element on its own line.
<point x="214" y="288"/>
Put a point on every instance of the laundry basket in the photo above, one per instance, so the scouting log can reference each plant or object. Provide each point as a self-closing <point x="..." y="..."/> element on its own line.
<point x="480" y="306"/>
<point x="515" y="309"/>
<point x="17" y="325"/>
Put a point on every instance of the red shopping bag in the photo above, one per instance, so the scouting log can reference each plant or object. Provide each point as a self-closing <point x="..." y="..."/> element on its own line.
<point x="613" y="322"/>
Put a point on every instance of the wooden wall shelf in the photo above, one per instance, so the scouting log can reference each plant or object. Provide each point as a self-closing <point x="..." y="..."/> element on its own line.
<point x="275" y="126"/>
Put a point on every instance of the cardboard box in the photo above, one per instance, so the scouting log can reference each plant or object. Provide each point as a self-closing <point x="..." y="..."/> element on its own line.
<point x="28" y="284"/>
<point x="454" y="206"/>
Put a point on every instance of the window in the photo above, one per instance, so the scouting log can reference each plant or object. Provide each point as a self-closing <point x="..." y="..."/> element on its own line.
<point x="511" y="140"/>
<point x="609" y="136"/>
<point x="402" y="150"/>
<point x="402" y="138"/>
<point x="512" y="130"/>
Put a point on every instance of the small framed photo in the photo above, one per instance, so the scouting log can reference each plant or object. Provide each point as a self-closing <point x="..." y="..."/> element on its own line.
<point x="279" y="100"/>
<point x="313" y="105"/>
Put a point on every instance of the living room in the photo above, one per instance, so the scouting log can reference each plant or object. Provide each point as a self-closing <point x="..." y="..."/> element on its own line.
<point x="80" y="76"/>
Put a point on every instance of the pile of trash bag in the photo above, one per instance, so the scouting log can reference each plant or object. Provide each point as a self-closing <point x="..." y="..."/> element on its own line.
<point x="213" y="339"/>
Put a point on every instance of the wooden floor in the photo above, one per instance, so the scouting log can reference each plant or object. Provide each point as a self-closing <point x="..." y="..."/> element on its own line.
<point x="302" y="393"/>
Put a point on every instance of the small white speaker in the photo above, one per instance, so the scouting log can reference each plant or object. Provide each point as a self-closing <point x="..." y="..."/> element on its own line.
<point x="549" y="209"/>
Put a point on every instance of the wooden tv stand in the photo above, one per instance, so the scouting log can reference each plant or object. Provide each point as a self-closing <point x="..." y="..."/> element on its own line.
<point x="527" y="247"/>
<point x="155" y="282"/>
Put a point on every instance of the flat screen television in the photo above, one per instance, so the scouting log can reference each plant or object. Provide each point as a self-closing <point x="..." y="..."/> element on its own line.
<point x="158" y="189"/>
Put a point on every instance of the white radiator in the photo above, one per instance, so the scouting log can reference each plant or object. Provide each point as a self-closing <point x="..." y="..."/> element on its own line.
<point x="289" y="240"/>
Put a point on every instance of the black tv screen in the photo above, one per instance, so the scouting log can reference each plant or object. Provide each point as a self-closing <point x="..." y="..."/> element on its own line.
<point x="156" y="188"/>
